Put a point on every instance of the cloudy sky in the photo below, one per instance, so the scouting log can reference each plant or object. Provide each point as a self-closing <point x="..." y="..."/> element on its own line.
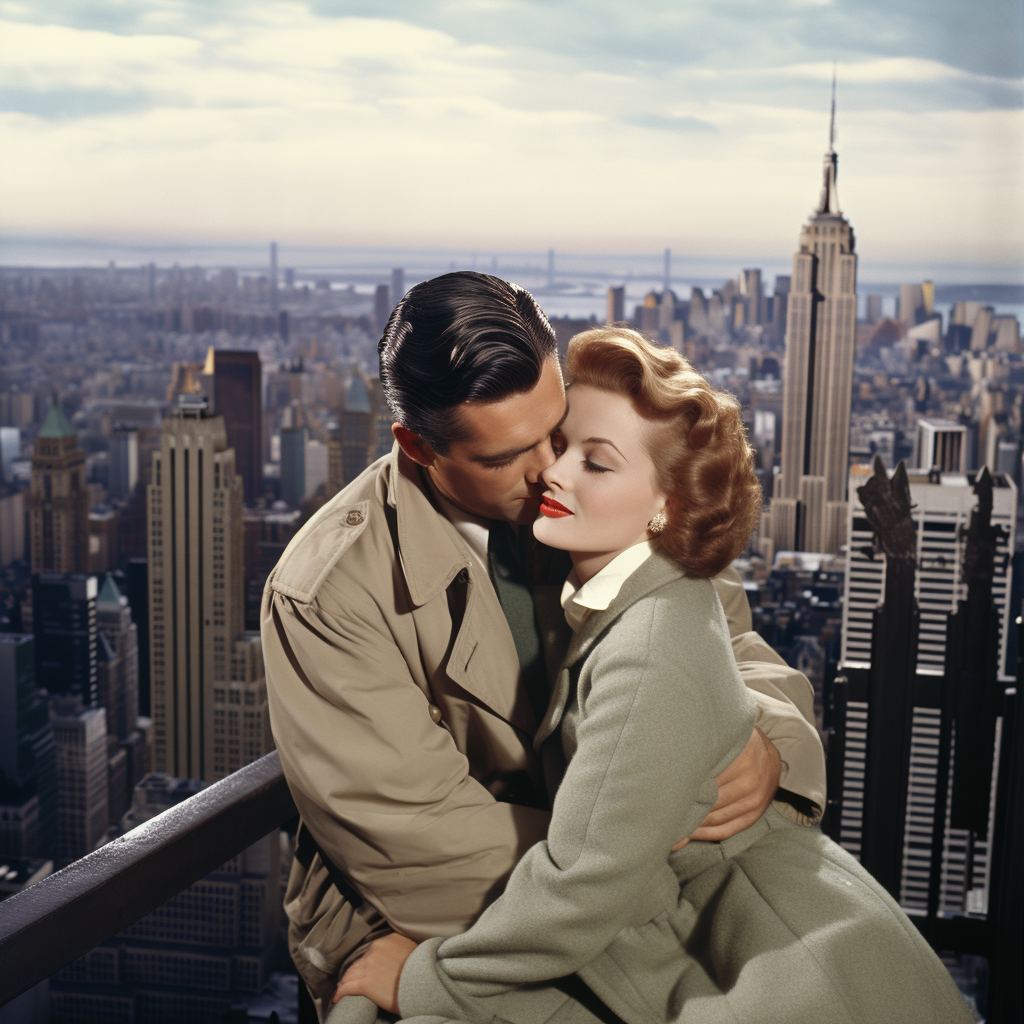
<point x="587" y="125"/>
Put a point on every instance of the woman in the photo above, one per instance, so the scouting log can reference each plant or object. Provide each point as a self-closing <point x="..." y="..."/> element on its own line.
<point x="653" y="493"/>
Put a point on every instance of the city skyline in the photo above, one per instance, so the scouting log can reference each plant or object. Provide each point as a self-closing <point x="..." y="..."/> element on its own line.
<point x="518" y="126"/>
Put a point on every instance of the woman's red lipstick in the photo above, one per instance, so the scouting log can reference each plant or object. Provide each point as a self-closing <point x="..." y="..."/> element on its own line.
<point x="551" y="508"/>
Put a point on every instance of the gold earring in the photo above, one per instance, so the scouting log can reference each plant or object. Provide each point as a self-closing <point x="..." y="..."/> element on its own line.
<point x="657" y="524"/>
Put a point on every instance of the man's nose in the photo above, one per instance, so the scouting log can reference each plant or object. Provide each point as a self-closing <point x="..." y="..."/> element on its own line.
<point x="542" y="457"/>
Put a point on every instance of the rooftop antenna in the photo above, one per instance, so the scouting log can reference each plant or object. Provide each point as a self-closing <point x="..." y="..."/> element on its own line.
<point x="832" y="122"/>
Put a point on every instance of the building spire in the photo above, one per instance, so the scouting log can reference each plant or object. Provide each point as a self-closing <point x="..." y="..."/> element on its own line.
<point x="829" y="202"/>
<point x="832" y="122"/>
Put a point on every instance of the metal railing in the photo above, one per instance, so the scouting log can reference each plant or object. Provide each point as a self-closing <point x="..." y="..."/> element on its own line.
<point x="63" y="916"/>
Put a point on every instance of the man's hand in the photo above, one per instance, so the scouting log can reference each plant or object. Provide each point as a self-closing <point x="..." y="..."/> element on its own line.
<point x="745" y="789"/>
<point x="376" y="974"/>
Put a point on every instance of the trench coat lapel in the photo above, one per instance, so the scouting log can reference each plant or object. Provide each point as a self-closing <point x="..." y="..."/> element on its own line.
<point x="435" y="559"/>
<point x="658" y="570"/>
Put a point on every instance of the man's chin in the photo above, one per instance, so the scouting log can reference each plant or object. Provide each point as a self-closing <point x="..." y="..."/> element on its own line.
<point x="526" y="511"/>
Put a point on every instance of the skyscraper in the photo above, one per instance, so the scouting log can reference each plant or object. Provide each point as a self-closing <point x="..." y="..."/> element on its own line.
<point x="809" y="511"/>
<point x="241" y="718"/>
<point x="940" y="861"/>
<point x="120" y="692"/>
<point x="293" y="465"/>
<point x="616" y="304"/>
<point x="124" y="462"/>
<point x="942" y="508"/>
<point x="28" y="760"/>
<point x="397" y="286"/>
<point x="10" y="449"/>
<point x="58" y="499"/>
<point x="238" y="397"/>
<point x="382" y="307"/>
<point x="752" y="294"/>
<point x="273" y="277"/>
<point x="941" y="445"/>
<point x="83" y="810"/>
<point x="64" y="624"/>
<point x="195" y="583"/>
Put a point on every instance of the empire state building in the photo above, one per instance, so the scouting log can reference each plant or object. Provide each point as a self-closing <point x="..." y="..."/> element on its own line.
<point x="809" y="509"/>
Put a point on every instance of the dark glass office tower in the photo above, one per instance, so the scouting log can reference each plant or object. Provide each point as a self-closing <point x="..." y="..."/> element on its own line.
<point x="28" y="758"/>
<point x="238" y="397"/>
<point x="64" y="625"/>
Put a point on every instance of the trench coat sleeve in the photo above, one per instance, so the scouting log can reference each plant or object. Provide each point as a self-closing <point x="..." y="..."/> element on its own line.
<point x="675" y="708"/>
<point x="382" y="788"/>
<point x="785" y="707"/>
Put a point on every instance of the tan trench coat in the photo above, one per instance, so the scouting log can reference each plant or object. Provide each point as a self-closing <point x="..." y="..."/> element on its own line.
<point x="405" y="737"/>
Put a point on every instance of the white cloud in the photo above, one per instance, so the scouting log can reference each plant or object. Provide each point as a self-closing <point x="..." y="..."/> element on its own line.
<point x="54" y="56"/>
<point x="369" y="130"/>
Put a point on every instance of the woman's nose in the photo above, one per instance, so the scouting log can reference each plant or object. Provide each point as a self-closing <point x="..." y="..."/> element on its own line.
<point x="554" y="475"/>
<point x="543" y="458"/>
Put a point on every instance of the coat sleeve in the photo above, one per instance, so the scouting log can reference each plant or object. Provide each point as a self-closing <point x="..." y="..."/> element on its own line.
<point x="659" y="697"/>
<point x="785" y="707"/>
<point x="382" y="788"/>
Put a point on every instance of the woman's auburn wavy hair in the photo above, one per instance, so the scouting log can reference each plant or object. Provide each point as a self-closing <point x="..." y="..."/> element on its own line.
<point x="702" y="459"/>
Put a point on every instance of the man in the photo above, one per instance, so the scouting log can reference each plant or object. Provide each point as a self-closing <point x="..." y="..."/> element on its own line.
<point x="408" y="633"/>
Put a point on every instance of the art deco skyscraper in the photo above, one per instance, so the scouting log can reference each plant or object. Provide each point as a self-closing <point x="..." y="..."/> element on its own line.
<point x="195" y="583"/>
<point x="809" y="511"/>
<point x="58" y="499"/>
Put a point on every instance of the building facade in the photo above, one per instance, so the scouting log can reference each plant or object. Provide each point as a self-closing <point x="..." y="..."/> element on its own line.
<point x="64" y="626"/>
<point x="941" y="509"/>
<point x="942" y="512"/>
<point x="124" y="462"/>
<point x="28" y="758"/>
<point x="83" y="809"/>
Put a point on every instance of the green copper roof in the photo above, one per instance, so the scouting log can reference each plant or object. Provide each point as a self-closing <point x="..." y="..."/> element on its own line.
<point x="56" y="424"/>
<point x="111" y="593"/>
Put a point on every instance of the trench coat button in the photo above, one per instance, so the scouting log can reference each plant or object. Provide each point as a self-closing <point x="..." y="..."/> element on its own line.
<point x="354" y="518"/>
<point x="435" y="713"/>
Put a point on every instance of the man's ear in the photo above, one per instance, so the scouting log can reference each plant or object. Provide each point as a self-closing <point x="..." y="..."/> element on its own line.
<point x="417" y="448"/>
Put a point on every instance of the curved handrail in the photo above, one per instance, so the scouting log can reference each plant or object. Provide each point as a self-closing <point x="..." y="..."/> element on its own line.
<point x="48" y="925"/>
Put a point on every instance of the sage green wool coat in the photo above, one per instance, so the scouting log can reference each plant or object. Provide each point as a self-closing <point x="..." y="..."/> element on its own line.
<point x="777" y="924"/>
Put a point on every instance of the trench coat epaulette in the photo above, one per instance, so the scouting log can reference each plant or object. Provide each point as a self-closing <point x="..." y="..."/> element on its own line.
<point x="314" y="551"/>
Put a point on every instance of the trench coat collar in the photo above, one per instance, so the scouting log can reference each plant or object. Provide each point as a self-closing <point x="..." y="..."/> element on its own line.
<point x="653" y="573"/>
<point x="430" y="551"/>
<point x="483" y="658"/>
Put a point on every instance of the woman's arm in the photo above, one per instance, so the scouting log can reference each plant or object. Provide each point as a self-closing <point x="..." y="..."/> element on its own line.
<point x="659" y="698"/>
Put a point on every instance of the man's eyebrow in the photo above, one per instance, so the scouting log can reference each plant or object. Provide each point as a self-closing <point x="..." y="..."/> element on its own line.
<point x="511" y="453"/>
<point x="604" y="440"/>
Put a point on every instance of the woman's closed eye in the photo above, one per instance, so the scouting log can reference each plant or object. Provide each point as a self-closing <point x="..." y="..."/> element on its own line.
<point x="593" y="467"/>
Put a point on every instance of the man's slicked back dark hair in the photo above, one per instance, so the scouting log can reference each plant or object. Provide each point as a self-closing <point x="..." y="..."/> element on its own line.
<point x="457" y="338"/>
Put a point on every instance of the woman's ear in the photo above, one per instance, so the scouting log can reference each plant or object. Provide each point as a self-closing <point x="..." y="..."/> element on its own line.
<point x="417" y="448"/>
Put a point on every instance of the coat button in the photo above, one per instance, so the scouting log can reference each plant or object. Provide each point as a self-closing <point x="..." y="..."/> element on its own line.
<point x="435" y="713"/>
<point x="354" y="518"/>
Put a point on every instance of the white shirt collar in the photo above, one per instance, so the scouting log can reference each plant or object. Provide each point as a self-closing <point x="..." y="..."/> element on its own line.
<point x="603" y="587"/>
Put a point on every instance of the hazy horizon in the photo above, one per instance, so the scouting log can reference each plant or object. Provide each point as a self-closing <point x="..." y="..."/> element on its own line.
<point x="253" y="257"/>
